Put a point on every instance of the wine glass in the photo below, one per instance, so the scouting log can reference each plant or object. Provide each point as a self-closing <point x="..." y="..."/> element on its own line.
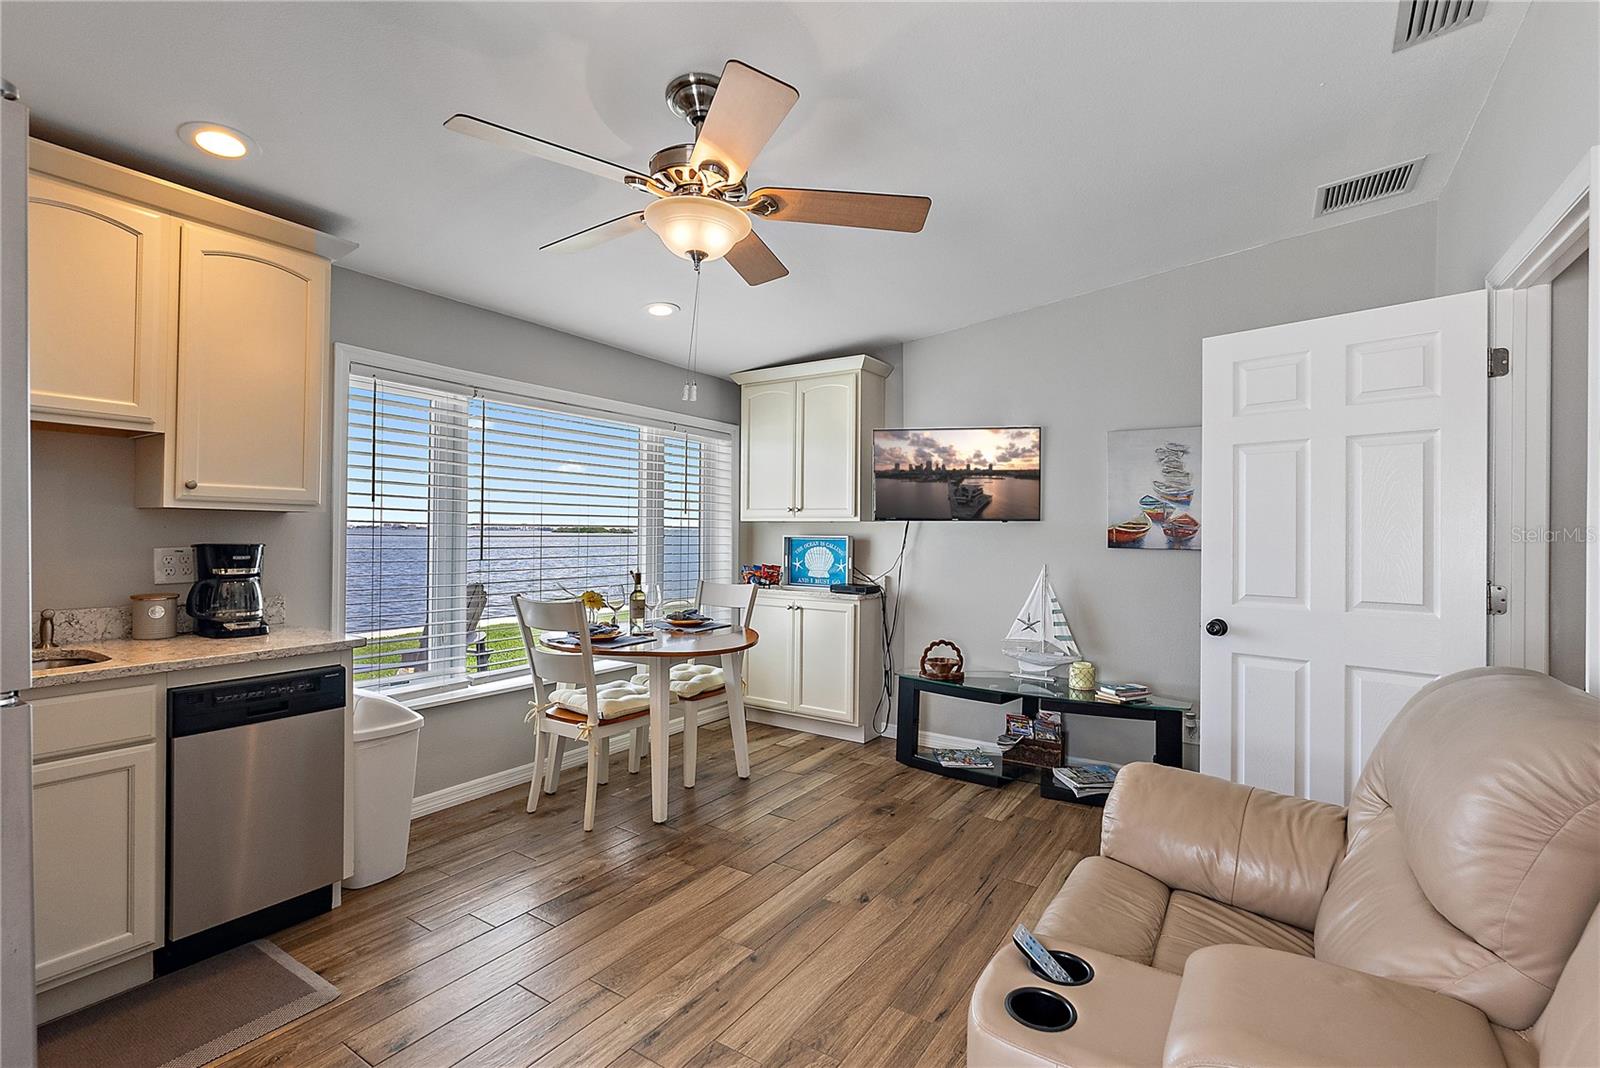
<point x="616" y="600"/>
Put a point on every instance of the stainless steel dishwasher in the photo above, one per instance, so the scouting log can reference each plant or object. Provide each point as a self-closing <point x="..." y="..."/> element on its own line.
<point x="255" y="806"/>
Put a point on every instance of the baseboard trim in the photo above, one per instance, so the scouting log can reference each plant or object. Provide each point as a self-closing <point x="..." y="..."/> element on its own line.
<point x="522" y="774"/>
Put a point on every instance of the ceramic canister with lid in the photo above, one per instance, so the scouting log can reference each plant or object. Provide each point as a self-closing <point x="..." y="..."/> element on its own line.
<point x="155" y="615"/>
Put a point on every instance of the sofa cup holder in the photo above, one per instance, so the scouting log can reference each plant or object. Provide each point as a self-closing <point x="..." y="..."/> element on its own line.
<point x="1078" y="969"/>
<point x="1040" y="1009"/>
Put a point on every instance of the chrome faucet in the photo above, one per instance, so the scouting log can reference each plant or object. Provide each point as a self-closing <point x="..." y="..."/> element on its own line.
<point x="47" y="629"/>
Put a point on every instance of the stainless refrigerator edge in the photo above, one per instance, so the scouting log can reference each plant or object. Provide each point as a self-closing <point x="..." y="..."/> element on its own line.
<point x="16" y="728"/>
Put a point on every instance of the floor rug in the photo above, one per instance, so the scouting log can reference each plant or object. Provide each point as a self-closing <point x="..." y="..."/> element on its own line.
<point x="190" y="1017"/>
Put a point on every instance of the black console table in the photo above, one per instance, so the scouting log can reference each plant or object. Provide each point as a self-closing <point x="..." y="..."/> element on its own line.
<point x="997" y="688"/>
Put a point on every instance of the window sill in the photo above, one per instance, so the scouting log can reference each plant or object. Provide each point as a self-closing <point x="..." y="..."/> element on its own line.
<point x="419" y="698"/>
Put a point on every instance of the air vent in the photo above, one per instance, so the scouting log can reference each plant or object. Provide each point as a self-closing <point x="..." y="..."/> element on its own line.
<point x="1365" y="188"/>
<point x="1423" y="20"/>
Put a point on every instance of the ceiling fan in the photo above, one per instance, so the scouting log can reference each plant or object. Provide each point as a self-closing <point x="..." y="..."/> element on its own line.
<point x="703" y="210"/>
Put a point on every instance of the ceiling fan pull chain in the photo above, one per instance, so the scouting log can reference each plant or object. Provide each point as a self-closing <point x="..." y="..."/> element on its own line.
<point x="691" y="383"/>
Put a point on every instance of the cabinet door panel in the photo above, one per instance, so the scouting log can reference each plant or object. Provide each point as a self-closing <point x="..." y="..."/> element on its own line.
<point x="99" y="276"/>
<point x="768" y="472"/>
<point x="825" y="661"/>
<point x="252" y="357"/>
<point x="829" y="441"/>
<point x="95" y="858"/>
<point x="769" y="665"/>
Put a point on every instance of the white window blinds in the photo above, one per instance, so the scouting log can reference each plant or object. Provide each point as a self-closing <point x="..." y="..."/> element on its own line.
<point x="457" y="499"/>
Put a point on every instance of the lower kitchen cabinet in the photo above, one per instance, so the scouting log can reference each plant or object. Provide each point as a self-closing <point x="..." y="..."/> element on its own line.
<point x="819" y="657"/>
<point x="96" y="859"/>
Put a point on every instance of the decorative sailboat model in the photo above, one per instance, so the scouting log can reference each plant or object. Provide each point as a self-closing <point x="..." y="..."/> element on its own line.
<point x="1040" y="639"/>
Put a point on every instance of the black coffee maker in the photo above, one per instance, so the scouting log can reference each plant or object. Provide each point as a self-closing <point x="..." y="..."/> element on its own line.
<point x="226" y="600"/>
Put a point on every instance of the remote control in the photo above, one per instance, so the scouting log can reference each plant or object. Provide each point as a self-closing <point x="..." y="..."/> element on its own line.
<point x="1035" y="951"/>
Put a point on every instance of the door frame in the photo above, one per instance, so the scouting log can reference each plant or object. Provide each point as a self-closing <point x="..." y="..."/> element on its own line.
<point x="1519" y="449"/>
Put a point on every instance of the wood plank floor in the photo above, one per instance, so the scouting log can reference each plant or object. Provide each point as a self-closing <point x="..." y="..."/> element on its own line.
<point x="834" y="909"/>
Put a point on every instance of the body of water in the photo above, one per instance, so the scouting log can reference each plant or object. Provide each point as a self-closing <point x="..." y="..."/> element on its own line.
<point x="903" y="498"/>
<point x="386" y="569"/>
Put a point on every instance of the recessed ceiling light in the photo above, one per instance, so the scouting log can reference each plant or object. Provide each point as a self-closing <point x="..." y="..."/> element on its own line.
<point x="215" y="139"/>
<point x="660" y="308"/>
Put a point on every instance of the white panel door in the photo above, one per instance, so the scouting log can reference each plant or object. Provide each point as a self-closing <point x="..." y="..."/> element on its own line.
<point x="96" y="856"/>
<point x="252" y="370"/>
<point x="1345" y="464"/>
<point x="769" y="664"/>
<point x="829" y="438"/>
<point x="825" y="654"/>
<point x="767" y="470"/>
<point x="99" y="290"/>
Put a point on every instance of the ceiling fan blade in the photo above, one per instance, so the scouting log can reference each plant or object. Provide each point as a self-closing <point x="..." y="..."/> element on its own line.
<point x="506" y="137"/>
<point x="598" y="234"/>
<point x="755" y="262"/>
<point x="746" y="109"/>
<point x="835" y="207"/>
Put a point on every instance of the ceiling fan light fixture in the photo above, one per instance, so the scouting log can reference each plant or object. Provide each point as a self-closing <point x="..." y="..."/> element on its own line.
<point x="688" y="223"/>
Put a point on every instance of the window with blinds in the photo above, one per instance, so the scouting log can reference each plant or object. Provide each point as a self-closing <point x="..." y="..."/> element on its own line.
<point x="456" y="499"/>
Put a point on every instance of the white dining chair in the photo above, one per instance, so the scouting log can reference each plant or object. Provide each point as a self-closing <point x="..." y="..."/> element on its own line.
<point x="701" y="689"/>
<point x="571" y="705"/>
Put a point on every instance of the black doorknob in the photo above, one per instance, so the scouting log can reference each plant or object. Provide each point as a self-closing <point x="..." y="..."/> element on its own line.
<point x="1217" y="628"/>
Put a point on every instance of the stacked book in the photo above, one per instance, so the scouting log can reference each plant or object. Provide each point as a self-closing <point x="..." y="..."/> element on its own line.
<point x="1120" y="693"/>
<point x="1086" y="778"/>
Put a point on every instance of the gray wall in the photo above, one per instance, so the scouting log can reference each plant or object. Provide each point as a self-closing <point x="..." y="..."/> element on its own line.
<point x="1569" y="445"/>
<point x="1542" y="114"/>
<point x="91" y="546"/>
<point x="1123" y="357"/>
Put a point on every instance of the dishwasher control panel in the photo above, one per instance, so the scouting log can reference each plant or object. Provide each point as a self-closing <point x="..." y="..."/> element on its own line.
<point x="215" y="706"/>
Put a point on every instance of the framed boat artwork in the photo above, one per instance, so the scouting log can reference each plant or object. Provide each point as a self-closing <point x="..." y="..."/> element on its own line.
<point x="1153" y="488"/>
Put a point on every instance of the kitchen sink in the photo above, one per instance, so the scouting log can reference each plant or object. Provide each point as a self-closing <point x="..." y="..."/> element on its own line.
<point x="46" y="659"/>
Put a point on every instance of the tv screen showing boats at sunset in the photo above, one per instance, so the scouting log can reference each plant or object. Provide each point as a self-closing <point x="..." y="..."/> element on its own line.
<point x="967" y="473"/>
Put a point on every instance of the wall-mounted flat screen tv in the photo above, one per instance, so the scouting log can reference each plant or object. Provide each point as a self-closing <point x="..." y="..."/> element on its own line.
<point x="966" y="473"/>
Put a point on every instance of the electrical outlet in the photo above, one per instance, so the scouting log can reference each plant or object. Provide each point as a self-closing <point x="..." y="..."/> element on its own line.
<point x="174" y="566"/>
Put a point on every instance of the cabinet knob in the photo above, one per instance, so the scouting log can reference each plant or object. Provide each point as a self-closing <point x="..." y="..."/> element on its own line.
<point x="191" y="484"/>
<point x="1217" y="628"/>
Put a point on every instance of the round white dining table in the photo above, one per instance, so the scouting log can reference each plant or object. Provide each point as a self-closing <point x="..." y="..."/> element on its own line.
<point x="671" y="647"/>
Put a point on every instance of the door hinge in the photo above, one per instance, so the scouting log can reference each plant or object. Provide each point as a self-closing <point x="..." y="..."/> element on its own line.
<point x="1499" y="362"/>
<point x="1499" y="602"/>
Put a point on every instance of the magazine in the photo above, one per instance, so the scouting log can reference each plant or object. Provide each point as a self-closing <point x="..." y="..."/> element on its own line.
<point x="966" y="758"/>
<point x="1086" y="778"/>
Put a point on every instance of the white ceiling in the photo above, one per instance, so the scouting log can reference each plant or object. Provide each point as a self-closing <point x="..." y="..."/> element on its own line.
<point x="1066" y="147"/>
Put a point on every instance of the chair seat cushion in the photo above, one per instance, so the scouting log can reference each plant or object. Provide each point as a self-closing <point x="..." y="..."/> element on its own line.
<point x="1193" y="922"/>
<point x="688" y="680"/>
<point x="616" y="699"/>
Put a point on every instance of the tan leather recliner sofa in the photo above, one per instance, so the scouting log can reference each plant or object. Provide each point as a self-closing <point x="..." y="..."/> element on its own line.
<point x="1446" y="917"/>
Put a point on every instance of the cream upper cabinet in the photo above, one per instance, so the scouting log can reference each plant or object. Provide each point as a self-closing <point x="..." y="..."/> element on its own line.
<point x="829" y="443"/>
<point x="806" y="439"/>
<point x="198" y="326"/>
<point x="767" y="422"/>
<point x="252" y="370"/>
<point x="100" y="300"/>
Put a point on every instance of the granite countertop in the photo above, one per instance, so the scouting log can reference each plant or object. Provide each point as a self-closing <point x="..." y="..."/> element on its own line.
<point x="187" y="651"/>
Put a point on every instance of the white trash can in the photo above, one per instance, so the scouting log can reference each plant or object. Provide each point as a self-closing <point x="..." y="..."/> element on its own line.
<point x="386" y="736"/>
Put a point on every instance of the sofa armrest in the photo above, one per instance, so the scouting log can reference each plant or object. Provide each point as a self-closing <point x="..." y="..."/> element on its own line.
<point x="1243" y="1006"/>
<point x="1250" y="848"/>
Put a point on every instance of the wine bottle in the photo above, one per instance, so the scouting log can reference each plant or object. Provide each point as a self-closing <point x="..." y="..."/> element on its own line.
<point x="637" y="606"/>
